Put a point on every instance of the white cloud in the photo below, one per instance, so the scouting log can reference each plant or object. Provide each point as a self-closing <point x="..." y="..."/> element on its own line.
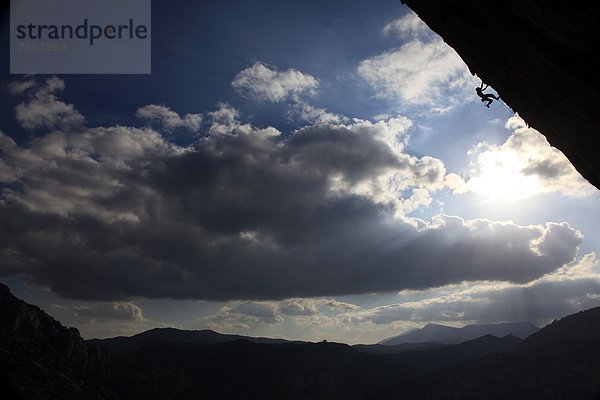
<point x="524" y="166"/>
<point x="73" y="172"/>
<point x="54" y="84"/>
<point x="262" y="83"/>
<point x="43" y="109"/>
<point x="259" y="82"/>
<point x="340" y="306"/>
<point x="407" y="27"/>
<point x="307" y="307"/>
<point x="19" y="87"/>
<point x="225" y="121"/>
<point x="294" y="307"/>
<point x="315" y="115"/>
<point x="267" y="315"/>
<point x="168" y="118"/>
<point x="423" y="71"/>
<point x="242" y="316"/>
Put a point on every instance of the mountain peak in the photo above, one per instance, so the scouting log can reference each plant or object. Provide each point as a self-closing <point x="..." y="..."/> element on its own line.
<point x="431" y="325"/>
<point x="584" y="325"/>
<point x="450" y="335"/>
<point x="124" y="345"/>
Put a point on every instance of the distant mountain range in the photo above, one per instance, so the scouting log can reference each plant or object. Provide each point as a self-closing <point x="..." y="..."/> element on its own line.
<point x="432" y="336"/>
<point x="128" y="344"/>
<point x="41" y="359"/>
<point x="561" y="361"/>
<point x="450" y="335"/>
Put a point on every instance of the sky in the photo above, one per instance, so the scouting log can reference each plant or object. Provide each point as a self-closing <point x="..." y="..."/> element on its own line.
<point x="299" y="169"/>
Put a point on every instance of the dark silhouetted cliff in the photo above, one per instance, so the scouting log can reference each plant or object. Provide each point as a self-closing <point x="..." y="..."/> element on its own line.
<point x="41" y="359"/>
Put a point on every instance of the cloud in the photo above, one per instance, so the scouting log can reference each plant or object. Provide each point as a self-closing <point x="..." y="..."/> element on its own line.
<point x="21" y="86"/>
<point x="524" y="166"/>
<point x="168" y="118"/>
<point x="81" y="172"/>
<point x="242" y="316"/>
<point x="110" y="311"/>
<point x="55" y="84"/>
<point x="307" y="113"/>
<point x="102" y="319"/>
<point x="424" y="71"/>
<point x="295" y="307"/>
<point x="246" y="213"/>
<point x="307" y="307"/>
<point x="340" y="306"/>
<point x="43" y="109"/>
<point x="571" y="288"/>
<point x="407" y="27"/>
<point x="259" y="82"/>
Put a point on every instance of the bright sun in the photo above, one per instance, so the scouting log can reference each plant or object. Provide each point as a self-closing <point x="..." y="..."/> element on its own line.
<point x="500" y="177"/>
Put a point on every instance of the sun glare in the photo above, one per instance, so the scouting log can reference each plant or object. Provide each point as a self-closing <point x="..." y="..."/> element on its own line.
<point x="500" y="178"/>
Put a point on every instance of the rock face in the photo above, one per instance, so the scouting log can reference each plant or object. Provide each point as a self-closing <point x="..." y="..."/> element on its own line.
<point x="542" y="59"/>
<point x="40" y="358"/>
<point x="29" y="324"/>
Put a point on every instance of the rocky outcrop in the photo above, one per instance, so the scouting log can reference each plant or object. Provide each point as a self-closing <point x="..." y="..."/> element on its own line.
<point x="24" y="322"/>
<point x="542" y="59"/>
<point x="40" y="358"/>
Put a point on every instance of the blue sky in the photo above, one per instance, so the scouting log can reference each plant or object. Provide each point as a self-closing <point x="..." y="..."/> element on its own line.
<point x="293" y="169"/>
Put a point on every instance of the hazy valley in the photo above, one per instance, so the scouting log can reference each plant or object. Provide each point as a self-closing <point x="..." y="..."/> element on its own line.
<point x="42" y="359"/>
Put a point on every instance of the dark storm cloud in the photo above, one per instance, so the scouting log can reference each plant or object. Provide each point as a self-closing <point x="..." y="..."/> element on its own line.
<point x="246" y="213"/>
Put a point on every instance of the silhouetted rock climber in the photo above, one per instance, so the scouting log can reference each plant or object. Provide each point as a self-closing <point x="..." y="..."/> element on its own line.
<point x="486" y="98"/>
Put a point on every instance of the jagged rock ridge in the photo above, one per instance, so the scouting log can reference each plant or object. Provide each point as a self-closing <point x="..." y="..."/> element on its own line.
<point x="40" y="358"/>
